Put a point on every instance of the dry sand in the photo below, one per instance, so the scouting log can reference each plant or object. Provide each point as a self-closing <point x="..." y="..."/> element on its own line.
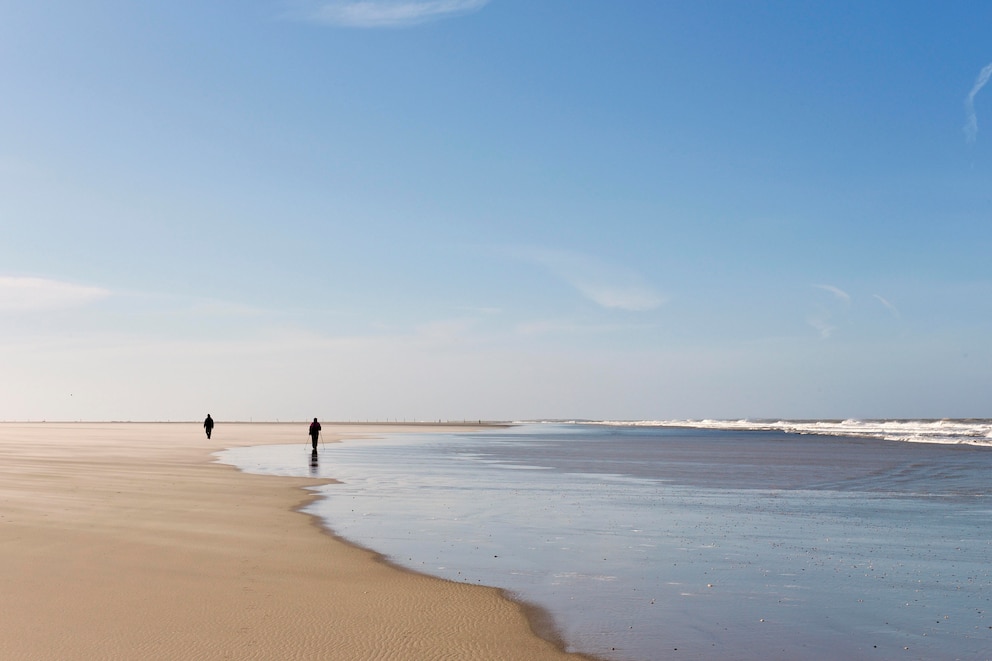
<point x="127" y="541"/>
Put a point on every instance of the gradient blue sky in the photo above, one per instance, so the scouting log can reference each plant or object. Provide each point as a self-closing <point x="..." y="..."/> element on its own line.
<point x="502" y="209"/>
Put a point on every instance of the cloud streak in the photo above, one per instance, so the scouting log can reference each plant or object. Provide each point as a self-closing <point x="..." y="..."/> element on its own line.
<point x="604" y="284"/>
<point x="389" y="13"/>
<point x="838" y="293"/>
<point x="822" y="320"/>
<point x="21" y="294"/>
<point x="971" y="126"/>
<point x="888" y="305"/>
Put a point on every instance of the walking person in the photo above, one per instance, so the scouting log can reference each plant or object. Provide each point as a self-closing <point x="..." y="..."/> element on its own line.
<point x="208" y="425"/>
<point x="314" y="433"/>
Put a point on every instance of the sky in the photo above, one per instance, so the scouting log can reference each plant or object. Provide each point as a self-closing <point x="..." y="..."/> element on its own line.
<point x="495" y="209"/>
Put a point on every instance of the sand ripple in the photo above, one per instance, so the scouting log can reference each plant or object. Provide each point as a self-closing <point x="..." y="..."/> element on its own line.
<point x="125" y="542"/>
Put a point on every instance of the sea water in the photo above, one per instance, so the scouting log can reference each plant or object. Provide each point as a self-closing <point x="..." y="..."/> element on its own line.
<point x="652" y="541"/>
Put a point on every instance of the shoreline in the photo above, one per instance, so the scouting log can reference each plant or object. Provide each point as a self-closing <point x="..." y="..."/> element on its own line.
<point x="541" y="622"/>
<point x="130" y="540"/>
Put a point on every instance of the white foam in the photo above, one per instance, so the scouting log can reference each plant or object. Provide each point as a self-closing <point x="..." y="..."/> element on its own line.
<point x="947" y="431"/>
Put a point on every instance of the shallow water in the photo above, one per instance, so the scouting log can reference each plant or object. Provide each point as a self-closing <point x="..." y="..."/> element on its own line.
<point x="650" y="543"/>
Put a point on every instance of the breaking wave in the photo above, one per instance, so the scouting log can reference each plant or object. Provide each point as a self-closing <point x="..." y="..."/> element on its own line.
<point x="947" y="431"/>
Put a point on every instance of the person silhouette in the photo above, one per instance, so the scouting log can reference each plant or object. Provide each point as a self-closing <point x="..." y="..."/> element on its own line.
<point x="314" y="433"/>
<point x="208" y="425"/>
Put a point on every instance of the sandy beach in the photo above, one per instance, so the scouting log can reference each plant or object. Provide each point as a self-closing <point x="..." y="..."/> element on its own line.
<point x="127" y="541"/>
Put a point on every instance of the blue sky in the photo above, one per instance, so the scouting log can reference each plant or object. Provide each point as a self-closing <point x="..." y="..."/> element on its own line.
<point x="464" y="209"/>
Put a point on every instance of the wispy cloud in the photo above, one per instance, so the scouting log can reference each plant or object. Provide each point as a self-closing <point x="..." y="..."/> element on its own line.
<point x="888" y="306"/>
<point x="971" y="126"/>
<point x="605" y="284"/>
<point x="36" y="294"/>
<point x="820" y="321"/>
<point x="823" y="318"/>
<point x="838" y="293"/>
<point x="386" y="13"/>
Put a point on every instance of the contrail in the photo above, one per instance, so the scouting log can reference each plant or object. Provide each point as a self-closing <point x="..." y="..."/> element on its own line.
<point x="971" y="127"/>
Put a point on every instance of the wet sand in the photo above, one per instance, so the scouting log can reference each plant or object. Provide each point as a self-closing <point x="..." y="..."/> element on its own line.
<point x="686" y="544"/>
<point x="127" y="541"/>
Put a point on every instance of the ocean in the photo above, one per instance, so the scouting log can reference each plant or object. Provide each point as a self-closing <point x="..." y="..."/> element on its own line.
<point x="739" y="540"/>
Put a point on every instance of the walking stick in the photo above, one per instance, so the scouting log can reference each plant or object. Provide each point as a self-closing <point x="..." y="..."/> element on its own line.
<point x="321" y="434"/>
